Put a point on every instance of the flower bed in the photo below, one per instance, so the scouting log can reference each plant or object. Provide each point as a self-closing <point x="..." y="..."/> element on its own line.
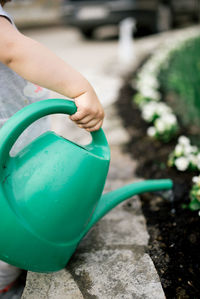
<point x="164" y="71"/>
<point x="166" y="145"/>
<point x="174" y="231"/>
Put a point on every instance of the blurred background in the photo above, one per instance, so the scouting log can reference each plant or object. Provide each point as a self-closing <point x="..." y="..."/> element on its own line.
<point x="34" y="13"/>
<point x="151" y="16"/>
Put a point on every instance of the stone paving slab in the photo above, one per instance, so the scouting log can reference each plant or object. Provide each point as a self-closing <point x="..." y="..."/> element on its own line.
<point x="59" y="285"/>
<point x="117" y="273"/>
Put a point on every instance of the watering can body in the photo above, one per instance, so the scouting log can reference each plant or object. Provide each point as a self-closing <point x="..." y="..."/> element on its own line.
<point x="50" y="192"/>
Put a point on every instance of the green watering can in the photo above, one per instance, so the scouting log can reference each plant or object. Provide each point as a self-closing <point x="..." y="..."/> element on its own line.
<point x="51" y="191"/>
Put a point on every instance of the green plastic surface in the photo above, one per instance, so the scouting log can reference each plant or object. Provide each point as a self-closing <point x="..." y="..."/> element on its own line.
<point x="50" y="192"/>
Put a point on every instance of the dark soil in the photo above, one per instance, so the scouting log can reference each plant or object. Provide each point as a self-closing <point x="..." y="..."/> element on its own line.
<point x="174" y="244"/>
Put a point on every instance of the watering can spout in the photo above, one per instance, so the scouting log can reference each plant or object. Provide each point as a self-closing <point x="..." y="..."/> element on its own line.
<point x="111" y="199"/>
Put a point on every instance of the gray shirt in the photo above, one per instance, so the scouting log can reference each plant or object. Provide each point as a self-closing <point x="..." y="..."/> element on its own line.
<point x="15" y="93"/>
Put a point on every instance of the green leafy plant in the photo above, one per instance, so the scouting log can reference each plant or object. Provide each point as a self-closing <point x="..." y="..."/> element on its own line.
<point x="194" y="204"/>
<point x="182" y="77"/>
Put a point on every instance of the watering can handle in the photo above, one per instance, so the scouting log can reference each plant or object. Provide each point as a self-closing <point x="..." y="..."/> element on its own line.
<point x="13" y="128"/>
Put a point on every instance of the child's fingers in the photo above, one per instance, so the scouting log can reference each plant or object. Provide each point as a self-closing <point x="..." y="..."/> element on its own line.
<point x="78" y="115"/>
<point x="90" y="124"/>
<point x="96" y="127"/>
<point x="84" y="120"/>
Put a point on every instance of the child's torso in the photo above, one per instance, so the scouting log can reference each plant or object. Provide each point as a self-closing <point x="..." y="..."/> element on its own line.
<point x="15" y="93"/>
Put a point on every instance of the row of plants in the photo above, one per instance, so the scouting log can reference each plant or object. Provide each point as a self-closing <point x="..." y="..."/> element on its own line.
<point x="162" y="119"/>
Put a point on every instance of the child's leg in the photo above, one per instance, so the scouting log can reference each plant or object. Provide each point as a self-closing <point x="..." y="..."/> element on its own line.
<point x="8" y="274"/>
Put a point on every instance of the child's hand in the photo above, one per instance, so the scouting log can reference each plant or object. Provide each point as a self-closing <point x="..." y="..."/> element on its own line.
<point x="90" y="113"/>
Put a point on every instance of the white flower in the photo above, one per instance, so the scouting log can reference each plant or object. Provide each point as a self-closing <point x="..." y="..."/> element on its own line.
<point x="193" y="159"/>
<point x="194" y="149"/>
<point x="183" y="140"/>
<point x="198" y="157"/>
<point x="150" y="81"/>
<point x="187" y="149"/>
<point x="148" y="92"/>
<point x="151" y="109"/>
<point x="178" y="151"/>
<point x="162" y="109"/>
<point x="170" y="119"/>
<point x="196" y="180"/>
<point x="160" y="125"/>
<point x="181" y="163"/>
<point x="148" y="111"/>
<point x="147" y="114"/>
<point x="151" y="131"/>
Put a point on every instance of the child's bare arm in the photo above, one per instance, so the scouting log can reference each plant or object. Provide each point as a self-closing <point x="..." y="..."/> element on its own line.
<point x="37" y="64"/>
